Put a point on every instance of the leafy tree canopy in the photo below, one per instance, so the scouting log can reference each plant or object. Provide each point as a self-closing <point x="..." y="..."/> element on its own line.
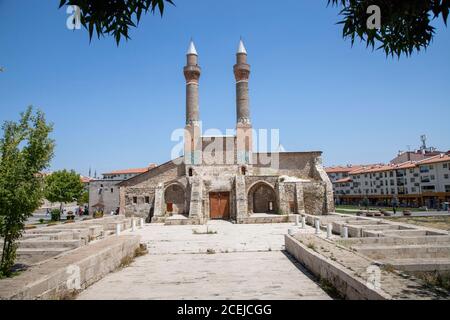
<point x="405" y="24"/>
<point x="25" y="150"/>
<point x="114" y="17"/>
<point x="63" y="186"/>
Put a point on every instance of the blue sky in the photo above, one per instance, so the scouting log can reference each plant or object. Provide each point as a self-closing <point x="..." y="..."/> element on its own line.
<point x="115" y="107"/>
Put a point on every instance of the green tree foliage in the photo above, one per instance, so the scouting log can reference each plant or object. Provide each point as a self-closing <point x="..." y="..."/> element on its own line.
<point x="114" y="17"/>
<point x="84" y="198"/>
<point x="405" y="24"/>
<point x="365" y="202"/>
<point x="25" y="150"/>
<point x="63" y="186"/>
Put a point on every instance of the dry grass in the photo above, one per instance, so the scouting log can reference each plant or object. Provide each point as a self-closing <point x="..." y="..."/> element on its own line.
<point x="442" y="222"/>
<point x="435" y="279"/>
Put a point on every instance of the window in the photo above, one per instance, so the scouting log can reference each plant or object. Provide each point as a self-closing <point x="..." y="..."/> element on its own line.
<point x="413" y="180"/>
<point x="428" y="188"/>
<point x="445" y="165"/>
<point x="447" y="188"/>
<point x="191" y="172"/>
<point x="244" y="171"/>
<point x="424" y="169"/>
<point x="112" y="190"/>
<point x="432" y="177"/>
<point x="445" y="176"/>
<point x="413" y="190"/>
<point x="147" y="199"/>
<point x="134" y="200"/>
<point x="425" y="179"/>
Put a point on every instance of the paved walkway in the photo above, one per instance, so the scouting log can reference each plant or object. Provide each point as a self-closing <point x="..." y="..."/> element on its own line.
<point x="195" y="262"/>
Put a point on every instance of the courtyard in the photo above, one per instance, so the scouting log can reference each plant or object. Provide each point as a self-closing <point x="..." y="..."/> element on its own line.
<point x="219" y="260"/>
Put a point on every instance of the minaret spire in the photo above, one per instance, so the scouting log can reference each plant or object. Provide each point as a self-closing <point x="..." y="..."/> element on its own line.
<point x="192" y="138"/>
<point x="241" y="48"/>
<point x="191" y="49"/>
<point x="242" y="74"/>
<point x="244" y="129"/>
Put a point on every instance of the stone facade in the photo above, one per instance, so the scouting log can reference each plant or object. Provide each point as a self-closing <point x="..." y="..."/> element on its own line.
<point x="104" y="195"/>
<point x="220" y="177"/>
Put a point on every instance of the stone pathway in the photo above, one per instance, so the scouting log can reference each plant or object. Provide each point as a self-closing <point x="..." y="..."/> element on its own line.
<point x="195" y="262"/>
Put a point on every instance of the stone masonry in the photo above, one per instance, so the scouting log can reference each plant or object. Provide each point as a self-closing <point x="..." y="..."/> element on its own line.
<point x="220" y="177"/>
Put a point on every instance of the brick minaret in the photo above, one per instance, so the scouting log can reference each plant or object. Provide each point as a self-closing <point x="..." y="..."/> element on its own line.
<point x="243" y="126"/>
<point x="192" y="135"/>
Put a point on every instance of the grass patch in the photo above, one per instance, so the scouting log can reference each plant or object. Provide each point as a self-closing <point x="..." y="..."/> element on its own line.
<point x="435" y="279"/>
<point x="388" y="268"/>
<point x="331" y="290"/>
<point x="196" y="231"/>
<point x="374" y="208"/>
<point x="210" y="251"/>
<point x="441" y="222"/>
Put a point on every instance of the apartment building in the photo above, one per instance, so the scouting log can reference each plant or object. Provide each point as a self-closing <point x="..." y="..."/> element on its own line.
<point x="412" y="183"/>
<point x="126" y="173"/>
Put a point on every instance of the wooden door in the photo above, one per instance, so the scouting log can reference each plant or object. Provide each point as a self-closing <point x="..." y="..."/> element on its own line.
<point x="219" y="205"/>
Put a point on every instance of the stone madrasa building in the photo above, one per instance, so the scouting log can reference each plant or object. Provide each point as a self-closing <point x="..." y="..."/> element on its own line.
<point x="221" y="178"/>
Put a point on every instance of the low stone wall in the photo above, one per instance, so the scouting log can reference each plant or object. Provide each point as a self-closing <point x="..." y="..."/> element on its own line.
<point x="269" y="219"/>
<point x="347" y="285"/>
<point x="63" y="276"/>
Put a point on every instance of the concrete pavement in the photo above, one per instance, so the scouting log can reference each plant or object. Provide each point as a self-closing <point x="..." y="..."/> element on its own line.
<point x="217" y="261"/>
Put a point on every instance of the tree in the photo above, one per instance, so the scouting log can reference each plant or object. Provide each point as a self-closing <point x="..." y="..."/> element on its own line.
<point x="405" y="25"/>
<point x="84" y="198"/>
<point x="365" y="202"/>
<point x="113" y="17"/>
<point x="63" y="186"/>
<point x="25" y="150"/>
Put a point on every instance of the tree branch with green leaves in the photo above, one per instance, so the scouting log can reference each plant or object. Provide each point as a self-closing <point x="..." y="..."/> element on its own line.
<point x="114" y="17"/>
<point x="405" y="24"/>
<point x="25" y="150"/>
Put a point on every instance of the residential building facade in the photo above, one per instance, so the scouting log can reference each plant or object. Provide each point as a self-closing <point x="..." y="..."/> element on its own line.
<point x="412" y="183"/>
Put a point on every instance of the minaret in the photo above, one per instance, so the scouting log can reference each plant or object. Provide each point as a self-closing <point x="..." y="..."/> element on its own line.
<point x="192" y="135"/>
<point x="243" y="122"/>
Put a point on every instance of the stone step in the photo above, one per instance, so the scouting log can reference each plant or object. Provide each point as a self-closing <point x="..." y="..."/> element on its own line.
<point x="395" y="241"/>
<point x="44" y="244"/>
<point x="413" y="251"/>
<point x="420" y="265"/>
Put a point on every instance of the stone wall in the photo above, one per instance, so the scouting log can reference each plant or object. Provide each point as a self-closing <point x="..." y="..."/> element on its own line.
<point x="295" y="164"/>
<point x="314" y="198"/>
<point x="52" y="279"/>
<point x="142" y="188"/>
<point x="106" y="192"/>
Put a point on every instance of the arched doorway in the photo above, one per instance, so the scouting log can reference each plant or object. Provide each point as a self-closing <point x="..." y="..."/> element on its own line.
<point x="174" y="197"/>
<point x="262" y="198"/>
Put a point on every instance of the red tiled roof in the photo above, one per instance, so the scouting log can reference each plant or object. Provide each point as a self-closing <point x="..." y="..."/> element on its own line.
<point x="133" y="170"/>
<point x="436" y="159"/>
<point x="348" y="179"/>
<point x="85" y="179"/>
<point x="342" y="169"/>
